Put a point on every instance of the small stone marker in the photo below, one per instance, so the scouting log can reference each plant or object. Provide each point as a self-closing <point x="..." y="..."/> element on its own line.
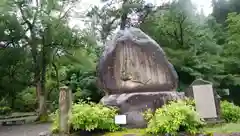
<point x="65" y="101"/>
<point x="206" y="99"/>
<point x="121" y="119"/>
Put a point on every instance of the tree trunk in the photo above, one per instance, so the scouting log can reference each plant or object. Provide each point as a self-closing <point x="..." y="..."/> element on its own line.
<point x="37" y="77"/>
<point x="43" y="116"/>
<point x="38" y="90"/>
<point x="42" y="106"/>
<point x="56" y="71"/>
<point x="13" y="99"/>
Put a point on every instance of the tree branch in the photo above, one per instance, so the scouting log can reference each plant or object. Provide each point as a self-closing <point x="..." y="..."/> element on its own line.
<point x="29" y="24"/>
<point x="56" y="71"/>
<point x="183" y="17"/>
<point x="174" y="35"/>
<point x="124" y="15"/>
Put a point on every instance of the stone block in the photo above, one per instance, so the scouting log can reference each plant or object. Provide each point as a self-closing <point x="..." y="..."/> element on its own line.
<point x="134" y="104"/>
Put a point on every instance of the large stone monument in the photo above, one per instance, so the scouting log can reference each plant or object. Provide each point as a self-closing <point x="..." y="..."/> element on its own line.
<point x="136" y="75"/>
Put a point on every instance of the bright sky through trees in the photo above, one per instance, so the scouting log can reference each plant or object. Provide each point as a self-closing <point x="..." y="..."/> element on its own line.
<point x="86" y="4"/>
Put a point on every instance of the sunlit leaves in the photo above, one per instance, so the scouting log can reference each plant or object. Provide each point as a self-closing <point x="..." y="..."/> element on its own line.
<point x="89" y="117"/>
<point x="173" y="117"/>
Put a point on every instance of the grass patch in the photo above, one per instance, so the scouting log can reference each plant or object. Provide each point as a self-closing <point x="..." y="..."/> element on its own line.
<point x="224" y="128"/>
<point x="220" y="128"/>
<point x="137" y="132"/>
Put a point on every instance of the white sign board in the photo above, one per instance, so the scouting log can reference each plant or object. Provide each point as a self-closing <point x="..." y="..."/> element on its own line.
<point x="205" y="102"/>
<point x="121" y="119"/>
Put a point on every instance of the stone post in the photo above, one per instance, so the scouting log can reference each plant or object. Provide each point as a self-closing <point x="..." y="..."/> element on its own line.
<point x="65" y="102"/>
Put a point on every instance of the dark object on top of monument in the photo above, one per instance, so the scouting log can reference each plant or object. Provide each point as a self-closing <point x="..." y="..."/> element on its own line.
<point x="134" y="62"/>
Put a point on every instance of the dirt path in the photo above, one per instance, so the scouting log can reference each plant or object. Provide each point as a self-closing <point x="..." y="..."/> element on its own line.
<point x="24" y="130"/>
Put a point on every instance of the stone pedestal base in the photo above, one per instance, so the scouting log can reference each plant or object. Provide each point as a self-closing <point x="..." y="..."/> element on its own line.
<point x="134" y="104"/>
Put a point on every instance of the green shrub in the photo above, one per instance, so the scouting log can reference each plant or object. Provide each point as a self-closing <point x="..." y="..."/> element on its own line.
<point x="4" y="107"/>
<point x="5" y="110"/>
<point x="4" y="102"/>
<point x="26" y="100"/>
<point x="174" y="117"/>
<point x="55" y="118"/>
<point x="230" y="112"/>
<point x="83" y="85"/>
<point x="89" y="117"/>
<point x="190" y="101"/>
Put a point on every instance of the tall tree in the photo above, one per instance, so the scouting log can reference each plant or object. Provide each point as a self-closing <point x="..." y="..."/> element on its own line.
<point x="115" y="13"/>
<point x="190" y="45"/>
<point x="221" y="8"/>
<point x="45" y="33"/>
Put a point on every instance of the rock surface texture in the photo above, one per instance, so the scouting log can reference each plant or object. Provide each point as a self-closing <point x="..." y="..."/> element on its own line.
<point x="133" y="62"/>
<point x="134" y="104"/>
<point x="136" y="76"/>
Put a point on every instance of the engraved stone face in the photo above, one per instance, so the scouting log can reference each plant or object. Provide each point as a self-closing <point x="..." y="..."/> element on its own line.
<point x="137" y="63"/>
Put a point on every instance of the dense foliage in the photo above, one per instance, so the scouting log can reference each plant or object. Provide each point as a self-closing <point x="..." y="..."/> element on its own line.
<point x="173" y="118"/>
<point x="198" y="45"/>
<point x="37" y="48"/>
<point x="230" y="112"/>
<point x="40" y="50"/>
<point x="89" y="117"/>
<point x="5" y="110"/>
<point x="26" y="100"/>
<point x="84" y="86"/>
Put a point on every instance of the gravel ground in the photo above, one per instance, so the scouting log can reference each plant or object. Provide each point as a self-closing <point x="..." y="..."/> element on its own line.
<point x="24" y="130"/>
